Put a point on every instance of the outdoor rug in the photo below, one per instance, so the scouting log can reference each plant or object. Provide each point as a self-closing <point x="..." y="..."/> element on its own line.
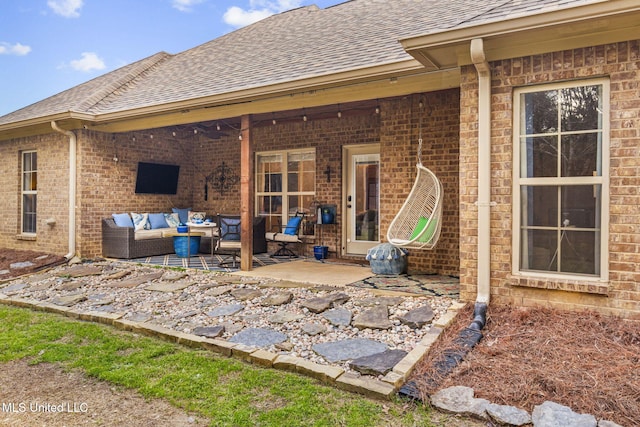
<point x="420" y="284"/>
<point x="204" y="262"/>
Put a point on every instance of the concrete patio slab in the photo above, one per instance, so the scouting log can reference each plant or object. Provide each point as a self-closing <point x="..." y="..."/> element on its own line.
<point x="316" y="273"/>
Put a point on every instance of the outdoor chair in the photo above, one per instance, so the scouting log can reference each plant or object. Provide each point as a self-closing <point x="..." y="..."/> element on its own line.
<point x="287" y="235"/>
<point x="228" y="244"/>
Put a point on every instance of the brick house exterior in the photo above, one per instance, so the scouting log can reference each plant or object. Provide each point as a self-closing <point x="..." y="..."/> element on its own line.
<point x="527" y="45"/>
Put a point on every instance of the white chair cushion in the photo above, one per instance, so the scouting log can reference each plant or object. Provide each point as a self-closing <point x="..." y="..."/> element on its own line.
<point x="281" y="237"/>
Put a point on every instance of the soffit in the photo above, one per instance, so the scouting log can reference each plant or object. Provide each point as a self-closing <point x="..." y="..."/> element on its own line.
<point x="550" y="31"/>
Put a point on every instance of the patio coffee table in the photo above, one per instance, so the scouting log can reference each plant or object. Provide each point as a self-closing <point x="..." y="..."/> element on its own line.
<point x="203" y="226"/>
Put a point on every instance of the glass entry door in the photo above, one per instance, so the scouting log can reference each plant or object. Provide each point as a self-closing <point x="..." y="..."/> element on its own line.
<point x="362" y="204"/>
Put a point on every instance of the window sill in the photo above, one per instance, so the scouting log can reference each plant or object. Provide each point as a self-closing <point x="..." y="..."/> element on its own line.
<point x="26" y="237"/>
<point x="590" y="287"/>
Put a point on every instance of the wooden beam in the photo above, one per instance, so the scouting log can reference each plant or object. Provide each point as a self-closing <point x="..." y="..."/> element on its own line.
<point x="246" y="195"/>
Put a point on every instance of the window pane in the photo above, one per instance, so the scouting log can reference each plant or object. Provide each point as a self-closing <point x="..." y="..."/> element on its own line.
<point x="29" y="213"/>
<point x="540" y="206"/>
<point x="539" y="250"/>
<point x="580" y="154"/>
<point x="540" y="157"/>
<point x="539" y="112"/>
<point x="579" y="206"/>
<point x="581" y="108"/>
<point x="578" y="250"/>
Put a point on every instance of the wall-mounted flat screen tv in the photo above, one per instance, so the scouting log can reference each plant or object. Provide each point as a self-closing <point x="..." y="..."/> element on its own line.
<point x="155" y="178"/>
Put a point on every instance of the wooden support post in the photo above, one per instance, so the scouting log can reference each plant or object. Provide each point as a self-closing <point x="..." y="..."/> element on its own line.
<point x="246" y="195"/>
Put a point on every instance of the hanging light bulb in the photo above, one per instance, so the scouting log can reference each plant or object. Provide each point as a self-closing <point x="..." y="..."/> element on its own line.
<point x="195" y="131"/>
<point x="304" y="118"/>
<point x="218" y="126"/>
<point x="240" y="137"/>
<point x="377" y="109"/>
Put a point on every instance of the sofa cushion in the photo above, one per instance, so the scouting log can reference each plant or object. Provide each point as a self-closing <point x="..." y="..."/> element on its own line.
<point x="149" y="234"/>
<point x="172" y="219"/>
<point x="140" y="221"/>
<point x="156" y="220"/>
<point x="122" y="220"/>
<point x="183" y="214"/>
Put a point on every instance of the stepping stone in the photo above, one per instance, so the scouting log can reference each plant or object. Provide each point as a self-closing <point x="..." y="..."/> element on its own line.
<point x="285" y="317"/>
<point x="283" y="284"/>
<point x="348" y="349"/>
<point x="70" y="286"/>
<point x="375" y="301"/>
<point x="338" y="316"/>
<point x="258" y="337"/>
<point x="3" y="272"/>
<point x="118" y="275"/>
<point x="14" y="289"/>
<point x="100" y="299"/>
<point x="19" y="265"/>
<point x="418" y="317"/>
<point x="320" y="304"/>
<point x="108" y="308"/>
<point x="374" y="318"/>
<point x="168" y="286"/>
<point x="187" y="314"/>
<point x="81" y="271"/>
<point x="378" y="364"/>
<point x="173" y="276"/>
<point x="246" y="294"/>
<point x="209" y="331"/>
<point x="69" y="300"/>
<point x="226" y="310"/>
<point x="278" y="298"/>
<point x="132" y="282"/>
<point x="216" y="292"/>
<point x="313" y="329"/>
<point x="139" y="317"/>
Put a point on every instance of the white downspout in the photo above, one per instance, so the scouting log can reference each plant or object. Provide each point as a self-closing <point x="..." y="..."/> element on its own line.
<point x="72" y="188"/>
<point x="484" y="171"/>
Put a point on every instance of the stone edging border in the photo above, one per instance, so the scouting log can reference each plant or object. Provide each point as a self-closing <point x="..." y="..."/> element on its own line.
<point x="370" y="387"/>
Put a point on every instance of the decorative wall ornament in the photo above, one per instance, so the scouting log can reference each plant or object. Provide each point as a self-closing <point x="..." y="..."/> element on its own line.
<point x="221" y="179"/>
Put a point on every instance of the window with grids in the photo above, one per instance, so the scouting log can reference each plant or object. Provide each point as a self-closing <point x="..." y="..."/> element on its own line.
<point x="285" y="184"/>
<point x="561" y="191"/>
<point x="29" y="191"/>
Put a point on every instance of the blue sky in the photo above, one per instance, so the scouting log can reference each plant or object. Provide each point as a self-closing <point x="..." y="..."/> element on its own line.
<point x="47" y="46"/>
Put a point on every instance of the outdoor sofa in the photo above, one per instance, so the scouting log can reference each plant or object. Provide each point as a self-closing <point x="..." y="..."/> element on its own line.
<point x="126" y="242"/>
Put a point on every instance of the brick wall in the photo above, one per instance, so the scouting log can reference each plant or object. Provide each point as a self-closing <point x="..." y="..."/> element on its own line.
<point x="52" y="199"/>
<point x="398" y="156"/>
<point x="620" y="63"/>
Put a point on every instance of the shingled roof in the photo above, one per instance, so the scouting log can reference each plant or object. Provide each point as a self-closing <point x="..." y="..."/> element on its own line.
<point x="293" y="46"/>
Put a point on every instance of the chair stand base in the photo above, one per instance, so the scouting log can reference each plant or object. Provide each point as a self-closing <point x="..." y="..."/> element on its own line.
<point x="284" y="251"/>
<point x="232" y="262"/>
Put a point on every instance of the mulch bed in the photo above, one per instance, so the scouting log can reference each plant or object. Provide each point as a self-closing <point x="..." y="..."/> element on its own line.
<point x="37" y="260"/>
<point x="583" y="360"/>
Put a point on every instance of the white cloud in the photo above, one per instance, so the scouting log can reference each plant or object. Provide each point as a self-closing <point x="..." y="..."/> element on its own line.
<point x="66" y="8"/>
<point x="258" y="9"/>
<point x="185" y="5"/>
<point x="14" y="49"/>
<point x="89" y="62"/>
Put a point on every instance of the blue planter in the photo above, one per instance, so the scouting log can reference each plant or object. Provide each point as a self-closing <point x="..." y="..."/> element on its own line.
<point x="321" y="252"/>
<point x="327" y="218"/>
<point x="181" y="248"/>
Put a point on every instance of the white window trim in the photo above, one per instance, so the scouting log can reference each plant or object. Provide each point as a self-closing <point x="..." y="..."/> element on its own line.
<point x="603" y="180"/>
<point x="23" y="192"/>
<point x="285" y="180"/>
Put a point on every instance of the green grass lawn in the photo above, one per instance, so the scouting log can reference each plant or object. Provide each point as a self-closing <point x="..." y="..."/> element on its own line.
<point x="231" y="392"/>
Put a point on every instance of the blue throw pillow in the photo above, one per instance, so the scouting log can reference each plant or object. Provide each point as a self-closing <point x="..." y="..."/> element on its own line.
<point x="157" y="221"/>
<point x="122" y="220"/>
<point x="183" y="214"/>
<point x="292" y="225"/>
